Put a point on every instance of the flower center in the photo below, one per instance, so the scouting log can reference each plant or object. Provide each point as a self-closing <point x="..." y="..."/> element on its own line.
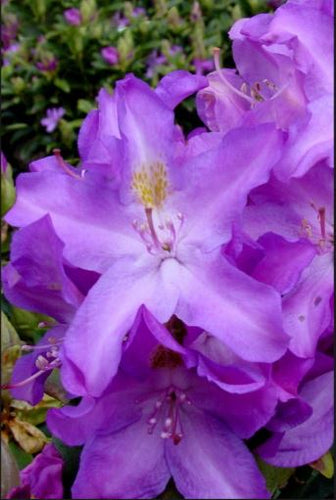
<point x="159" y="237"/>
<point x="46" y="361"/>
<point x="258" y="92"/>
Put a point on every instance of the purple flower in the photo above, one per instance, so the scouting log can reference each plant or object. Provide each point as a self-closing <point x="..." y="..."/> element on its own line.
<point x="9" y="31"/>
<point x="153" y="60"/>
<point x="73" y="16"/>
<point x="47" y="64"/>
<point x="156" y="235"/>
<point x="42" y="478"/>
<point x="284" y="77"/>
<point x="39" y="279"/>
<point x="110" y="55"/>
<point x="138" y="11"/>
<point x="119" y="21"/>
<point x="158" y="409"/>
<point x="175" y="49"/>
<point x="52" y="118"/>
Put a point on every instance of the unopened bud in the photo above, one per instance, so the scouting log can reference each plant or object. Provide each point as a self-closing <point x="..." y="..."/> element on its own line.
<point x="7" y="186"/>
<point x="173" y="17"/>
<point x="88" y="9"/>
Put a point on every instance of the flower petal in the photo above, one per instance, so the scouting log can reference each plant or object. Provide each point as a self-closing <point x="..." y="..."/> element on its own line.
<point x="205" y="462"/>
<point x="126" y="464"/>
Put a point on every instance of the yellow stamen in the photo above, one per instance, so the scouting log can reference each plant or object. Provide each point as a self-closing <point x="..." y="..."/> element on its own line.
<point x="150" y="184"/>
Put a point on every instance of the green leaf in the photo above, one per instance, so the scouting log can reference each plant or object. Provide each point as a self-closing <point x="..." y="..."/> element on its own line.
<point x="16" y="126"/>
<point x="85" y="106"/>
<point x="9" y="470"/>
<point x="276" y="477"/>
<point x="22" y="458"/>
<point x="9" y="336"/>
<point x="62" y="84"/>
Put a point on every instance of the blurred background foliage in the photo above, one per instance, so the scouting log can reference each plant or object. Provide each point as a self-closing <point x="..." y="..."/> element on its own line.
<point x="51" y="61"/>
<point x="54" y="61"/>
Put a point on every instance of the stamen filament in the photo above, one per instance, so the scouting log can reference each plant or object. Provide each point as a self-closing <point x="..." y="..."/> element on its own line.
<point x="63" y="165"/>
<point x="149" y="216"/>
<point x="216" y="53"/>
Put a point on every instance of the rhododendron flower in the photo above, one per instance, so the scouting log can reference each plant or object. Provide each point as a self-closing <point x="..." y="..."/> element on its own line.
<point x="156" y="237"/>
<point x="42" y="478"/>
<point x="158" y="419"/>
<point x="285" y="76"/>
<point x="52" y="118"/>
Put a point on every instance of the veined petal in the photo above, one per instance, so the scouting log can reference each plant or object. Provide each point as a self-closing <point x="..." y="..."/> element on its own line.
<point x="93" y="227"/>
<point x="217" y="183"/>
<point x="239" y="311"/>
<point x="125" y="464"/>
<point x="205" y="462"/>
<point x="93" y="344"/>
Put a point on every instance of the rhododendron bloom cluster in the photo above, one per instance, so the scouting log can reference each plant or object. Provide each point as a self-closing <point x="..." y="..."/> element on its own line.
<point x="189" y="278"/>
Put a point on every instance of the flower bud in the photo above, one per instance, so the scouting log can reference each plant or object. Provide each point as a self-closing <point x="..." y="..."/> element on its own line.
<point x="88" y="10"/>
<point x="7" y="186"/>
<point x="18" y="84"/>
<point x="161" y="7"/>
<point x="173" y="18"/>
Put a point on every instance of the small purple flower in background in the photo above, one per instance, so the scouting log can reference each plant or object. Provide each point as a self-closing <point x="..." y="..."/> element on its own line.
<point x="14" y="47"/>
<point x="119" y="21"/>
<point x="73" y="16"/>
<point x="175" y="49"/>
<point x="110" y="55"/>
<point x="153" y="60"/>
<point x="47" y="64"/>
<point x="9" y="31"/>
<point x="138" y="11"/>
<point x="203" y="65"/>
<point x="52" y="118"/>
<point x="42" y="478"/>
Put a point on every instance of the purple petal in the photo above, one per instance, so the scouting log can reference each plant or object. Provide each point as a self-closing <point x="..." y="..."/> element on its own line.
<point x="311" y="439"/>
<point x="209" y="461"/>
<point x="101" y="218"/>
<point x="247" y="317"/>
<point x="126" y="464"/>
<point x="35" y="279"/>
<point x="110" y="308"/>
<point x="177" y="86"/>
